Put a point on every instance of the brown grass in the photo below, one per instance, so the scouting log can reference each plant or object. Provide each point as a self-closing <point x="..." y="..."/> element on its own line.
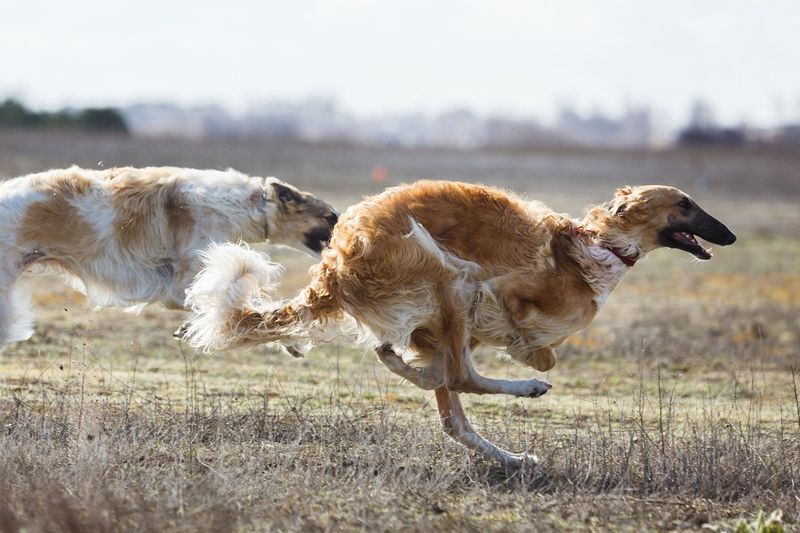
<point x="332" y="458"/>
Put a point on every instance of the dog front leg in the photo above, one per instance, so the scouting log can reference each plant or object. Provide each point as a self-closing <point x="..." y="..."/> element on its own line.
<point x="461" y="376"/>
<point x="456" y="425"/>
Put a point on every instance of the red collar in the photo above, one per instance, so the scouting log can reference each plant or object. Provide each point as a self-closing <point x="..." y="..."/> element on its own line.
<point x="628" y="260"/>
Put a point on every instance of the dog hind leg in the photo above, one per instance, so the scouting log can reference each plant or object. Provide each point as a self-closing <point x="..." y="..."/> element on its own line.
<point x="16" y="317"/>
<point x="456" y="425"/>
<point x="425" y="378"/>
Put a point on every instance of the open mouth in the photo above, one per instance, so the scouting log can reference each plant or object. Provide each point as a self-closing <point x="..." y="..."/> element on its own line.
<point x="316" y="246"/>
<point x="687" y="242"/>
<point x="318" y="239"/>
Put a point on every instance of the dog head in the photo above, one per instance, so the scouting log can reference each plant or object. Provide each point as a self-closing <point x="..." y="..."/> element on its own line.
<point x="299" y="219"/>
<point x="640" y="219"/>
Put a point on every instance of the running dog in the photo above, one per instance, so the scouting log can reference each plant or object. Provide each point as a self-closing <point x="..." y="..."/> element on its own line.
<point x="128" y="237"/>
<point x="436" y="268"/>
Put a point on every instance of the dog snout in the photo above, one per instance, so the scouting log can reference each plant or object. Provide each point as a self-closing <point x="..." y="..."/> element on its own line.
<point x="728" y="239"/>
<point x="721" y="236"/>
<point x="712" y="230"/>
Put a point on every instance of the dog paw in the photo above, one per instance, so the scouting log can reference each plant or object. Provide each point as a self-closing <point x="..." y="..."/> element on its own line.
<point x="388" y="356"/>
<point x="294" y="352"/>
<point x="537" y="388"/>
<point x="519" y="460"/>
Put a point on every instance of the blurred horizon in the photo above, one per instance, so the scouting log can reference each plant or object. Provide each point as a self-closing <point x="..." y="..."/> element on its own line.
<point x="325" y="120"/>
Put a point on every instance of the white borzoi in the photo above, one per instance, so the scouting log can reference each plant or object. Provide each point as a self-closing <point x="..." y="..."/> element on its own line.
<point x="128" y="237"/>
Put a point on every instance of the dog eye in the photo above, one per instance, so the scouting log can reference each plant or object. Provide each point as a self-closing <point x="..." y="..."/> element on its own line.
<point x="685" y="204"/>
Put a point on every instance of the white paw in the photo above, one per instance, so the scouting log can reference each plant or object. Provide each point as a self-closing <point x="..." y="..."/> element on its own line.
<point x="518" y="460"/>
<point x="534" y="388"/>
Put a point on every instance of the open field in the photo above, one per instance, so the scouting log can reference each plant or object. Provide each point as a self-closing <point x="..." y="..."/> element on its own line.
<point x="677" y="407"/>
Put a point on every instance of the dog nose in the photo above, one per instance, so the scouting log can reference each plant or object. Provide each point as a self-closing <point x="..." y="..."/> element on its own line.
<point x="723" y="236"/>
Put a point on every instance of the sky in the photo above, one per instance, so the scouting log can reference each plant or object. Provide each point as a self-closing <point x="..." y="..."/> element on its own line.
<point x="493" y="56"/>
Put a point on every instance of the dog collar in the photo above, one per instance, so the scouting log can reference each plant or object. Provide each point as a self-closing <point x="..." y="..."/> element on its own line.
<point x="628" y="260"/>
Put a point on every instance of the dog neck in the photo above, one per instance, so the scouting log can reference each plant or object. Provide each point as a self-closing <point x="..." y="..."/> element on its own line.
<point x="595" y="237"/>
<point x="600" y="267"/>
<point x="266" y="201"/>
<point x="269" y="208"/>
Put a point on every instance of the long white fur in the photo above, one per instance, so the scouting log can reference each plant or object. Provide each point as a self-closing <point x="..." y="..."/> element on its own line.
<point x="225" y="205"/>
<point x="233" y="277"/>
<point x="15" y="312"/>
<point x="602" y="270"/>
<point x="236" y="278"/>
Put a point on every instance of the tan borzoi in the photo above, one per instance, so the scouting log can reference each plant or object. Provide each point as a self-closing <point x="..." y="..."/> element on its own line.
<point x="128" y="236"/>
<point x="436" y="268"/>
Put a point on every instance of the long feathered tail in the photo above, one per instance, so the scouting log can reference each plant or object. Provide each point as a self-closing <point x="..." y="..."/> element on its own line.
<point x="232" y="304"/>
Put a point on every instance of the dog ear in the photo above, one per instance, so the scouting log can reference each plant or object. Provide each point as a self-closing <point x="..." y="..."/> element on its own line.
<point x="615" y="207"/>
<point x="286" y="195"/>
<point x="620" y="204"/>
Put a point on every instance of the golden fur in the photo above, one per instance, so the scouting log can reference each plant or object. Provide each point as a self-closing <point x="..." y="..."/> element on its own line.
<point x="440" y="267"/>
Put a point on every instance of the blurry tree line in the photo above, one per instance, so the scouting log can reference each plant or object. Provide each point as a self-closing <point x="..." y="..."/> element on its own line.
<point x="13" y="114"/>
<point x="703" y="131"/>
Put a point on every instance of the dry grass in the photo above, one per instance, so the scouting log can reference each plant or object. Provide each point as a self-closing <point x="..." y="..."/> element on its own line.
<point x="100" y="452"/>
<point x="677" y="407"/>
